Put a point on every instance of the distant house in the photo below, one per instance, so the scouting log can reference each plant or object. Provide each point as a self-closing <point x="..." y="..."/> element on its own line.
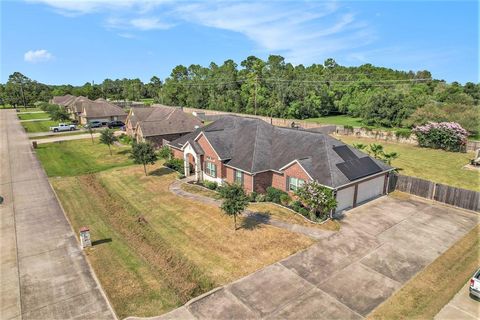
<point x="62" y="100"/>
<point x="100" y="110"/>
<point x="257" y="155"/>
<point x="159" y="123"/>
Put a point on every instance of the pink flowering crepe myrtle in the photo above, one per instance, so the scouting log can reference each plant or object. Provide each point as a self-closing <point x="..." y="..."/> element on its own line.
<point x="453" y="127"/>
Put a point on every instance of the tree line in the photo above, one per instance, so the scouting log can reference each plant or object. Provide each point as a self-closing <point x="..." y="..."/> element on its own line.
<point x="272" y="87"/>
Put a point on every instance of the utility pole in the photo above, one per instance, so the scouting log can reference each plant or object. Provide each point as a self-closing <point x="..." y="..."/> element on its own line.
<point x="255" y="95"/>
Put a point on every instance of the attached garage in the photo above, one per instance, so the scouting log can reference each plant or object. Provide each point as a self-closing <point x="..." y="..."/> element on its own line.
<point x="370" y="189"/>
<point x="345" y="198"/>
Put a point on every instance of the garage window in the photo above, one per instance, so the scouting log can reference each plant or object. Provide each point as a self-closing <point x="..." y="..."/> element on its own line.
<point x="294" y="183"/>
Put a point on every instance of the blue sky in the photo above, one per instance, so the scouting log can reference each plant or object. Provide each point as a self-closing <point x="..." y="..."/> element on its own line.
<point x="61" y="41"/>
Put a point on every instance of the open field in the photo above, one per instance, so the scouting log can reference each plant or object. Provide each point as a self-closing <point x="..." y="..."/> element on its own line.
<point x="38" y="126"/>
<point x="31" y="116"/>
<point x="431" y="164"/>
<point x="425" y="294"/>
<point x="70" y="158"/>
<point x="154" y="250"/>
<point x="341" y="120"/>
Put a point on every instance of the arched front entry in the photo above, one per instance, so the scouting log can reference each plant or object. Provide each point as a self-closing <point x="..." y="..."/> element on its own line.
<point x="188" y="151"/>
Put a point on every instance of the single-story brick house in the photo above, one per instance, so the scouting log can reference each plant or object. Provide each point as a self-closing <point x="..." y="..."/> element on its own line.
<point x="258" y="155"/>
<point x="99" y="110"/>
<point x="158" y="124"/>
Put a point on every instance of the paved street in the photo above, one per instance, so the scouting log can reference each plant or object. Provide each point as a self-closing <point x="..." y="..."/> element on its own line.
<point x="44" y="274"/>
<point x="345" y="275"/>
<point x="461" y="307"/>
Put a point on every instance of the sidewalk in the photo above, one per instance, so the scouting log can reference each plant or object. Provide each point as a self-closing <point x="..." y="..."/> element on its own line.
<point x="461" y="307"/>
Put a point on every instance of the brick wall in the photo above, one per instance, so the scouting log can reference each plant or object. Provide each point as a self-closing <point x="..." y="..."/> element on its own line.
<point x="247" y="179"/>
<point x="294" y="170"/>
<point x="261" y="181"/>
<point x="177" y="153"/>
<point x="158" y="140"/>
<point x="211" y="156"/>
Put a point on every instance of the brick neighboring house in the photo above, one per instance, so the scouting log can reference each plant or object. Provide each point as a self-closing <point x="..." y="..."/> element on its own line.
<point x="258" y="155"/>
<point x="159" y="123"/>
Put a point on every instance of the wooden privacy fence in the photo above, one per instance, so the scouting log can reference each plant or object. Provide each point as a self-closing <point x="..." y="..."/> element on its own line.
<point x="462" y="198"/>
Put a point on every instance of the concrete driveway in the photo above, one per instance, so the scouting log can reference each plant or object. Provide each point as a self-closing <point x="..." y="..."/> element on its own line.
<point x="346" y="275"/>
<point x="461" y="307"/>
<point x="43" y="272"/>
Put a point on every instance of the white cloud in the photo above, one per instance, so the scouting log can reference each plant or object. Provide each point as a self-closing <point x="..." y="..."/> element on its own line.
<point x="41" y="55"/>
<point x="303" y="32"/>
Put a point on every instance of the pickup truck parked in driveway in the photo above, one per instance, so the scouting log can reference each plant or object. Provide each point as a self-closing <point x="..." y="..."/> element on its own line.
<point x="63" y="127"/>
<point x="475" y="284"/>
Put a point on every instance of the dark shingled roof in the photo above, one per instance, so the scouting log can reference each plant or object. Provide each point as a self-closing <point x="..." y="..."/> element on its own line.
<point x="254" y="146"/>
<point x="162" y="120"/>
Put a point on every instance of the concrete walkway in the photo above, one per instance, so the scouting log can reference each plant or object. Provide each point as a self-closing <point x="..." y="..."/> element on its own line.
<point x="380" y="246"/>
<point x="44" y="274"/>
<point x="35" y="120"/>
<point x="461" y="307"/>
<point x="315" y="233"/>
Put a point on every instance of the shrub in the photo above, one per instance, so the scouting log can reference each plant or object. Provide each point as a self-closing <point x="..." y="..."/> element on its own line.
<point x="180" y="175"/>
<point x="285" y="199"/>
<point x="260" y="198"/>
<point x="304" y="212"/>
<point x="403" y="133"/>
<point x="274" y="194"/>
<point x="252" y="197"/>
<point x="165" y="153"/>
<point x="210" y="185"/>
<point x="125" y="139"/>
<point x="296" y="205"/>
<point x="175" y="164"/>
<point x="448" y="136"/>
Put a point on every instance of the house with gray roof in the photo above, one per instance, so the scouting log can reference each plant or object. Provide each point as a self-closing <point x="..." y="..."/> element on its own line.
<point x="257" y="155"/>
<point x="159" y="124"/>
<point x="99" y="110"/>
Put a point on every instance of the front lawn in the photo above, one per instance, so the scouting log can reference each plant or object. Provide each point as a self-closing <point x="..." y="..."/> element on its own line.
<point x="431" y="164"/>
<point x="76" y="157"/>
<point x="424" y="295"/>
<point x="39" y="126"/>
<point x="191" y="188"/>
<point x="155" y="250"/>
<point x="32" y="116"/>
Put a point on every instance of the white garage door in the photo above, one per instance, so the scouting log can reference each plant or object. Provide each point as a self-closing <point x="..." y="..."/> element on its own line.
<point x="370" y="189"/>
<point x="345" y="198"/>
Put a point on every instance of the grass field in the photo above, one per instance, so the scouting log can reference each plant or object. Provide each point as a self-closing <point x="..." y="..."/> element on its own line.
<point x="426" y="294"/>
<point x="38" y="126"/>
<point x="431" y="164"/>
<point x="341" y="120"/>
<point x="153" y="250"/>
<point x="289" y="216"/>
<point x="31" y="116"/>
<point x="76" y="157"/>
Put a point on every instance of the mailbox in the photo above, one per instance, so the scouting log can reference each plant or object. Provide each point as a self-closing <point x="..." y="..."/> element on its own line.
<point x="85" y="237"/>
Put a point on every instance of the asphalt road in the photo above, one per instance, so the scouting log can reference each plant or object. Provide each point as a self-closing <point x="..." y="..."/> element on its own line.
<point x="43" y="272"/>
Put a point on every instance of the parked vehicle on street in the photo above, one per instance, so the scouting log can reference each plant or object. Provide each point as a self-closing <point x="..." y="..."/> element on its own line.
<point x="475" y="284"/>
<point x="63" y="127"/>
<point x="94" y="124"/>
<point x="115" y="124"/>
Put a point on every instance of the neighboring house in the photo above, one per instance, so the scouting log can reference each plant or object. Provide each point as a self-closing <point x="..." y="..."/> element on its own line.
<point x="74" y="107"/>
<point x="62" y="100"/>
<point x="99" y="110"/>
<point x="158" y="124"/>
<point x="258" y="155"/>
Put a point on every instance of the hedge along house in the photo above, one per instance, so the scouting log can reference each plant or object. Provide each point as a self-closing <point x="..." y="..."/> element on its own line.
<point x="258" y="155"/>
<point x="159" y="124"/>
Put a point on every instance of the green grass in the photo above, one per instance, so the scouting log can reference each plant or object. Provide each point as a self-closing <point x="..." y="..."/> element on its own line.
<point x="61" y="134"/>
<point x="431" y="164"/>
<point x="425" y="294"/>
<point x="31" y="116"/>
<point x="76" y="157"/>
<point x="6" y="106"/>
<point x="38" y="126"/>
<point x="164" y="249"/>
<point x="341" y="120"/>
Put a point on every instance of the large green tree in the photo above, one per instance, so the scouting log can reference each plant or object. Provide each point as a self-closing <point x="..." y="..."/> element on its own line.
<point x="143" y="153"/>
<point x="235" y="201"/>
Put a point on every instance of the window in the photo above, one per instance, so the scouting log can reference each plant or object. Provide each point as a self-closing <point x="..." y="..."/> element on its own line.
<point x="294" y="183"/>
<point x="238" y="177"/>
<point x="211" y="169"/>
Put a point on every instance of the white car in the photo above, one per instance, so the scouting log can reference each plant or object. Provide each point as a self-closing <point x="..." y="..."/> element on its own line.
<point x="475" y="284"/>
<point x="63" y="127"/>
